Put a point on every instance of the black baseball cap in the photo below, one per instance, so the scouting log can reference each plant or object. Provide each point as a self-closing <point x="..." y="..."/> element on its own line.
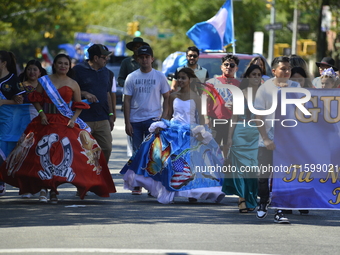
<point x="98" y="50"/>
<point x="145" y="50"/>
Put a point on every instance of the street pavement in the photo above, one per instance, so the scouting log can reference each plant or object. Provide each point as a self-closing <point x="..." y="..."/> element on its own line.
<point x="126" y="224"/>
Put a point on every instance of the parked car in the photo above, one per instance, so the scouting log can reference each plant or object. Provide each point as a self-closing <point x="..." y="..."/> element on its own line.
<point x="212" y="62"/>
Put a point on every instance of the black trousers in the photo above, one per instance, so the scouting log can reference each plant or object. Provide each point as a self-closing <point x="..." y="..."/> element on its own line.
<point x="265" y="158"/>
<point x="221" y="130"/>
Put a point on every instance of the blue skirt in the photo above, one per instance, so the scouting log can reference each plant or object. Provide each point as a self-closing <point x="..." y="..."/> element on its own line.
<point x="174" y="163"/>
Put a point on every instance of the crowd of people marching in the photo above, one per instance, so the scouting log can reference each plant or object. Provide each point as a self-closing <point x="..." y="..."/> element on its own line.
<point x="67" y="136"/>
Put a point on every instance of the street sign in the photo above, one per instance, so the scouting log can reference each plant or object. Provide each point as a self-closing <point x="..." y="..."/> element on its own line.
<point x="153" y="31"/>
<point x="165" y="35"/>
<point x="301" y="26"/>
<point x="275" y="26"/>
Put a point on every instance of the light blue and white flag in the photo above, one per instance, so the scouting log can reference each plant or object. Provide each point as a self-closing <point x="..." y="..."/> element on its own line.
<point x="173" y="61"/>
<point x="216" y="32"/>
<point x="69" y="48"/>
<point x="14" y="119"/>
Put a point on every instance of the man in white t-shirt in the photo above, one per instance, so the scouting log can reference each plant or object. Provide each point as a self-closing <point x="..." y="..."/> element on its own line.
<point x="143" y="91"/>
<point x="263" y="101"/>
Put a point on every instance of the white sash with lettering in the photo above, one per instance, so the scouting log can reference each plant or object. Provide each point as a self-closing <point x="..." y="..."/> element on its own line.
<point x="59" y="102"/>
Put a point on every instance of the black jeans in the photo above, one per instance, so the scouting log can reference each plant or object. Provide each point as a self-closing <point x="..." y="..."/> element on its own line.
<point x="265" y="158"/>
<point x="221" y="132"/>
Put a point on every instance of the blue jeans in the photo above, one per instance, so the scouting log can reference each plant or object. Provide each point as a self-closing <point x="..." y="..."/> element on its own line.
<point x="140" y="131"/>
<point x="1" y="161"/>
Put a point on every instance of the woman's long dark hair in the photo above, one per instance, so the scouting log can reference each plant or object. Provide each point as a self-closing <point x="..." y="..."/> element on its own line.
<point x="191" y="74"/>
<point x="254" y="59"/>
<point x="34" y="62"/>
<point x="300" y="70"/>
<point x="11" y="62"/>
<point x="245" y="82"/>
<point x="62" y="55"/>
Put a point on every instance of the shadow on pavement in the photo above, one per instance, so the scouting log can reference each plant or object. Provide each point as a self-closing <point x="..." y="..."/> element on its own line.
<point x="123" y="208"/>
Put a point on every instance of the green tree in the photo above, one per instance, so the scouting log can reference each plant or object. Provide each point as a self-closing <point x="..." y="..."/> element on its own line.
<point x="25" y="25"/>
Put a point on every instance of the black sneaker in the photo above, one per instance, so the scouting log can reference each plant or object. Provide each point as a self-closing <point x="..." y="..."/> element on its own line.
<point x="2" y="188"/>
<point x="137" y="191"/>
<point x="304" y="212"/>
<point x="262" y="211"/>
<point x="279" y="217"/>
<point x="149" y="194"/>
<point x="192" y="200"/>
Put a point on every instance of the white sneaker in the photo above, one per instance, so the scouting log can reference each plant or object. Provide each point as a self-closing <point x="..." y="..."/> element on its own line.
<point x="43" y="196"/>
<point x="262" y="211"/>
<point x="26" y="195"/>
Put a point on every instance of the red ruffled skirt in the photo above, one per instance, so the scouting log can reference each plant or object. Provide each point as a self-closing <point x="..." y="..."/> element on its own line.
<point x="49" y="155"/>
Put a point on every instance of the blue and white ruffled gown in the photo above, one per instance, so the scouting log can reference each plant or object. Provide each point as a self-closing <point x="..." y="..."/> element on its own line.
<point x="174" y="163"/>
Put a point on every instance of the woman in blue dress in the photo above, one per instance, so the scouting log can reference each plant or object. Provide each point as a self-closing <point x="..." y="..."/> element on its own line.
<point x="179" y="158"/>
<point x="243" y="144"/>
<point x="9" y="95"/>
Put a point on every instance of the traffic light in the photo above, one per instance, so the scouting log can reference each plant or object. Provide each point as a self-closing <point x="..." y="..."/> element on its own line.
<point x="306" y="47"/>
<point x="279" y="49"/>
<point x="48" y="34"/>
<point x="130" y="28"/>
<point x="38" y="53"/>
<point x="133" y="28"/>
<point x="269" y="4"/>
<point x="136" y="31"/>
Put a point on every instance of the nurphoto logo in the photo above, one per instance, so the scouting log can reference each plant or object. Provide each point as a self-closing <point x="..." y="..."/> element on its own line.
<point x="239" y="109"/>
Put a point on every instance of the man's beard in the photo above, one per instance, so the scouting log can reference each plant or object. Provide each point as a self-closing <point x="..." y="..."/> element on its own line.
<point x="192" y="62"/>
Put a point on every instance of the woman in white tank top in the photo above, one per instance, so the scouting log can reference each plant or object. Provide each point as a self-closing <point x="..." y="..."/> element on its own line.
<point x="179" y="158"/>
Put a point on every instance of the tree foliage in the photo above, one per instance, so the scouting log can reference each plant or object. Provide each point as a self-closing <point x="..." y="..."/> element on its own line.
<point x="24" y="23"/>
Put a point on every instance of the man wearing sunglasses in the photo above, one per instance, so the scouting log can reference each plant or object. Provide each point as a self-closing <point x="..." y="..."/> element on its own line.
<point x="216" y="110"/>
<point x="192" y="55"/>
<point x="97" y="86"/>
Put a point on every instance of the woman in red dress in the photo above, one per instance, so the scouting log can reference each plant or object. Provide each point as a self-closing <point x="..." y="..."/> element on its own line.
<point x="56" y="148"/>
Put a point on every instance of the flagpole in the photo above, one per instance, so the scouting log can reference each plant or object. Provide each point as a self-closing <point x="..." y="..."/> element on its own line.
<point x="232" y="23"/>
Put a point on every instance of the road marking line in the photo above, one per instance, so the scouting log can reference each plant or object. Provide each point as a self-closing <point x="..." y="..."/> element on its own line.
<point x="123" y="251"/>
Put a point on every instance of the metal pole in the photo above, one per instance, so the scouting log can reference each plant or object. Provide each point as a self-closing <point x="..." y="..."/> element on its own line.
<point x="271" y="34"/>
<point x="295" y="28"/>
<point x="232" y="20"/>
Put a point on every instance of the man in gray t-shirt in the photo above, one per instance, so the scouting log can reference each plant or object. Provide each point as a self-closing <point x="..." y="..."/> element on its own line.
<point x="143" y="91"/>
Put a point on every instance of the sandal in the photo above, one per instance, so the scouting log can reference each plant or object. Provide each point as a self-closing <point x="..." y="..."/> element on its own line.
<point x="242" y="210"/>
<point x="43" y="196"/>
<point x="53" y="197"/>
